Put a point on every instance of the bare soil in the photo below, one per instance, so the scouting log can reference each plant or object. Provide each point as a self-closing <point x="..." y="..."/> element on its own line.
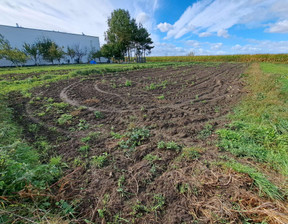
<point x="180" y="104"/>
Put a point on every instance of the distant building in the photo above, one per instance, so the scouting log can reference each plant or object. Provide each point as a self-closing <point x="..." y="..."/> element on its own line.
<point x="17" y="36"/>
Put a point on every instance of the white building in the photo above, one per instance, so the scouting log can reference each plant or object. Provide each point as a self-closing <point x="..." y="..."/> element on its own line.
<point x="17" y="36"/>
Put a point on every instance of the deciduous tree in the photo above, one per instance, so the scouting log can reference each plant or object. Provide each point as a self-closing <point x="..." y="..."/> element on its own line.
<point x="14" y="55"/>
<point x="79" y="52"/>
<point x="32" y="51"/>
<point x="124" y="36"/>
<point x="71" y="53"/>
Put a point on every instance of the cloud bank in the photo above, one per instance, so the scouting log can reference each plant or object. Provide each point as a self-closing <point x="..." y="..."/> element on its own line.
<point x="208" y="17"/>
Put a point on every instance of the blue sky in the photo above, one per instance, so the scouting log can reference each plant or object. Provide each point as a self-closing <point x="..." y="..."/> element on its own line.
<point x="177" y="27"/>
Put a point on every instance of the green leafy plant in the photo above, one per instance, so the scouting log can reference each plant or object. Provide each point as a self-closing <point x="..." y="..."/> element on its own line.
<point x="83" y="125"/>
<point x="128" y="83"/>
<point x="98" y="114"/>
<point x="86" y="139"/>
<point x="159" y="202"/>
<point x="135" y="138"/>
<point x="152" y="86"/>
<point x="121" y="188"/>
<point x="65" y="119"/>
<point x="162" y="97"/>
<point x="84" y="148"/>
<point x="116" y="135"/>
<point x="66" y="209"/>
<point x="169" y="145"/>
<point x="206" y="132"/>
<point x="151" y="158"/>
<point x="100" y="161"/>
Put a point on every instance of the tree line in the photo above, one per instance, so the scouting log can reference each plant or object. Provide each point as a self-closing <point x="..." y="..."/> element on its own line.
<point x="42" y="49"/>
<point x="126" y="40"/>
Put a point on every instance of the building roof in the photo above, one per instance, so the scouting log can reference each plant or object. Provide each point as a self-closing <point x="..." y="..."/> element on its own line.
<point x="52" y="31"/>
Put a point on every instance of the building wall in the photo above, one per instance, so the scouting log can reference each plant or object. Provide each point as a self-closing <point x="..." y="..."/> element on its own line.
<point x="17" y="36"/>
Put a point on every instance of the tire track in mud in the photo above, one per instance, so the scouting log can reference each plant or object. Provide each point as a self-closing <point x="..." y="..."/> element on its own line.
<point x="185" y="105"/>
<point x="65" y="98"/>
<point x="206" y="86"/>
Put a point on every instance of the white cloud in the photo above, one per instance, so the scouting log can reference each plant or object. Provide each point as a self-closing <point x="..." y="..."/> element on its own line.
<point x="237" y="47"/>
<point x="73" y="16"/>
<point x="223" y="33"/>
<point x="261" y="47"/>
<point x="279" y="27"/>
<point x="193" y="43"/>
<point x="165" y="49"/>
<point x="280" y="8"/>
<point x="164" y="27"/>
<point x="217" y="16"/>
<point x="216" y="46"/>
<point x="142" y="17"/>
<point x="205" y="34"/>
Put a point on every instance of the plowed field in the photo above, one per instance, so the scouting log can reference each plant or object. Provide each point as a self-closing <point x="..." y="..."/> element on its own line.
<point x="141" y="144"/>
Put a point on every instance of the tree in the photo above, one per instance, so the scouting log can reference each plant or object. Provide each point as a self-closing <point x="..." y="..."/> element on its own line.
<point x="79" y="53"/>
<point x="71" y="53"/>
<point x="98" y="54"/>
<point x="55" y="53"/>
<point x="32" y="51"/>
<point x="49" y="50"/>
<point x="11" y="54"/>
<point x="60" y="54"/>
<point x="107" y="50"/>
<point x="4" y="46"/>
<point x="191" y="53"/>
<point x="93" y="54"/>
<point x="143" y="42"/>
<point x="44" y="46"/>
<point x="124" y="36"/>
<point x="16" y="56"/>
<point x="119" y="32"/>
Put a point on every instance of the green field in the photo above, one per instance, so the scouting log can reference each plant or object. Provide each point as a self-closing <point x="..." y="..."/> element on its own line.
<point x="272" y="58"/>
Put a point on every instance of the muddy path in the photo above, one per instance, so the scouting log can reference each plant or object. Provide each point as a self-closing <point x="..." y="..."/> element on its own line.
<point x="115" y="125"/>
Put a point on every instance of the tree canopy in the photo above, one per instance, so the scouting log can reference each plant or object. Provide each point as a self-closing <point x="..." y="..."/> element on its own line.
<point x="11" y="54"/>
<point x="125" y="37"/>
<point x="32" y="51"/>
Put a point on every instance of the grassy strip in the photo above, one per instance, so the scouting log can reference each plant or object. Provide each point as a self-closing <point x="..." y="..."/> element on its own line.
<point x="260" y="181"/>
<point x="20" y="165"/>
<point x="259" y="126"/>
<point x="56" y="68"/>
<point x="279" y="58"/>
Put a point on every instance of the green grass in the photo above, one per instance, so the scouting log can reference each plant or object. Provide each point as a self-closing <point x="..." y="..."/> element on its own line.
<point x="259" y="125"/>
<point x="20" y="163"/>
<point x="260" y="181"/>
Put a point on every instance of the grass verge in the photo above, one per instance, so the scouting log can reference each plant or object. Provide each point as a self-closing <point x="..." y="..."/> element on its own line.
<point x="259" y="126"/>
